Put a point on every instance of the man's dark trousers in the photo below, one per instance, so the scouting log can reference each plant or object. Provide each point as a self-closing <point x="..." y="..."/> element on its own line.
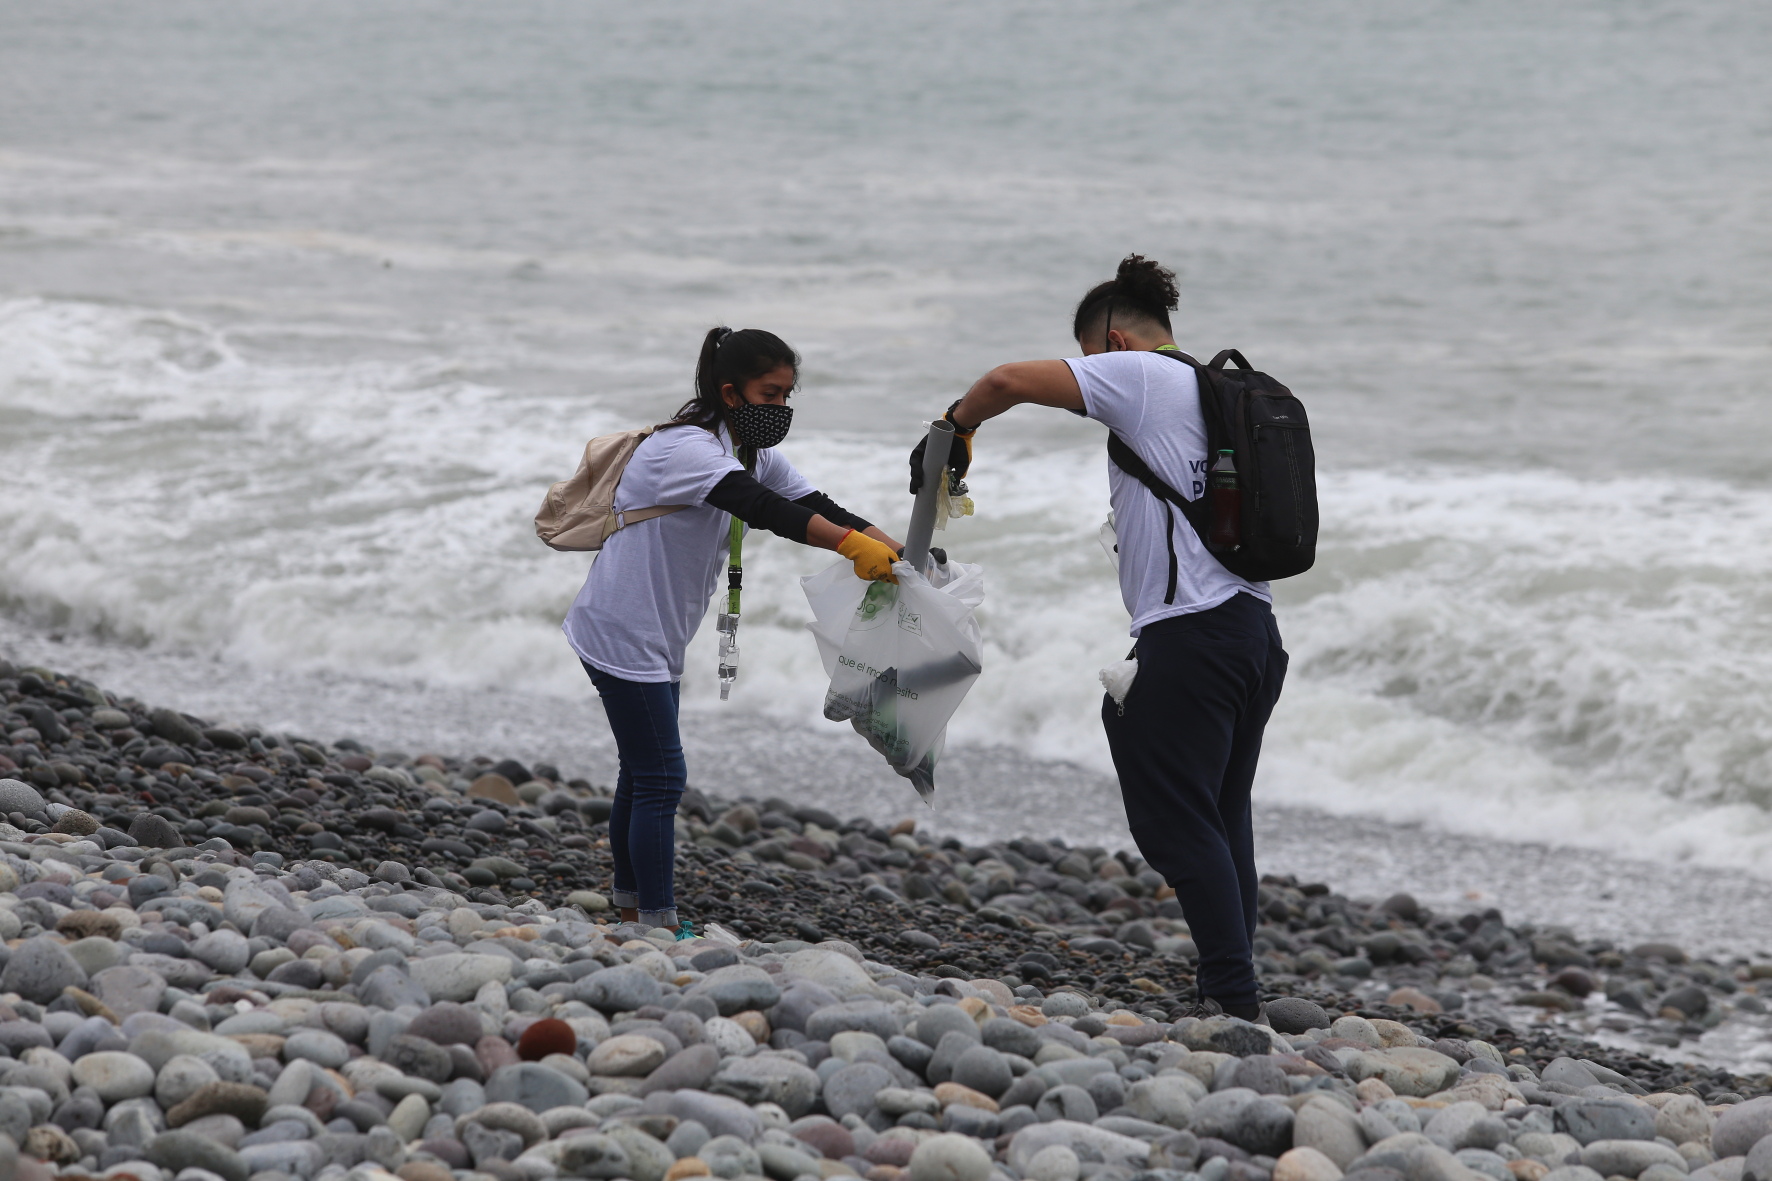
<point x="1185" y="747"/>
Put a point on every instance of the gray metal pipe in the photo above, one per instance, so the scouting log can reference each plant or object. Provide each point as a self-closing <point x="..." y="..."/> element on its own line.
<point x="922" y="530"/>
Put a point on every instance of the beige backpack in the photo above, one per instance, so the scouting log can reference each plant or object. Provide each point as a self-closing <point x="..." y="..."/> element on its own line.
<point x="579" y="514"/>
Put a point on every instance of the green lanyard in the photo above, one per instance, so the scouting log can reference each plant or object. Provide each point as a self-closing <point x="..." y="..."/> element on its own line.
<point x="728" y="623"/>
<point x="735" y="541"/>
<point x="734" y="565"/>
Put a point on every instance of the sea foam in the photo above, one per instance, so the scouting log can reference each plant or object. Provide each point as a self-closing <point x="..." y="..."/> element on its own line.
<point x="1522" y="654"/>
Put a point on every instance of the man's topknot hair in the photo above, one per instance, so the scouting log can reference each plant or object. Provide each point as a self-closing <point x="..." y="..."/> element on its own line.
<point x="1141" y="289"/>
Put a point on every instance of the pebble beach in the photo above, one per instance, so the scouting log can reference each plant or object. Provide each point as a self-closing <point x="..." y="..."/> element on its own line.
<point x="254" y="956"/>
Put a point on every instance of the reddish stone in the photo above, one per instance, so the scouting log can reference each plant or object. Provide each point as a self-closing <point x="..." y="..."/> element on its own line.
<point x="831" y="1140"/>
<point x="891" y="1150"/>
<point x="1574" y="981"/>
<point x="493" y="1052"/>
<point x="810" y="848"/>
<point x="550" y="1035"/>
<point x="300" y="941"/>
<point x="321" y="1100"/>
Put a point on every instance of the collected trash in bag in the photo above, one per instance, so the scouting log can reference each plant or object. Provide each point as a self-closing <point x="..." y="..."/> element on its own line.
<point x="900" y="658"/>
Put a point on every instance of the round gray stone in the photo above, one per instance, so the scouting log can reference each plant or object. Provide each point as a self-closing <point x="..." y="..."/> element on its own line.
<point x="1011" y="1037"/>
<point x="182" y="1076"/>
<point x="1589" y="1120"/>
<point x="939" y="1020"/>
<point x="421" y="1058"/>
<point x="447" y="1023"/>
<point x="40" y="969"/>
<point x="950" y="1157"/>
<point x="738" y="988"/>
<point x="767" y="1080"/>
<point x="983" y="1069"/>
<point x="1741" y="1127"/>
<point x="1064" y="1004"/>
<point x="1294" y="1014"/>
<point x="181" y="1150"/>
<point x="114" y="1075"/>
<point x="225" y="951"/>
<point x="1067" y="1103"/>
<point x="319" y="1047"/>
<point x="537" y="1087"/>
<point x="852" y="1089"/>
<point x="1255" y="1123"/>
<point x="154" y="832"/>
<point x="862" y="1016"/>
<point x="690" y="1068"/>
<point x="18" y="796"/>
<point x="619" y="989"/>
<point x="1262" y="1075"/>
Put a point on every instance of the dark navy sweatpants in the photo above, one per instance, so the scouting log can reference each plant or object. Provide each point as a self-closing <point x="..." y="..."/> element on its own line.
<point x="1185" y="747"/>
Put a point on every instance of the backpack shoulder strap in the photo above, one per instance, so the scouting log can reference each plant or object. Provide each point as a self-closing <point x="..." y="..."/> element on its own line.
<point x="1122" y="456"/>
<point x="619" y="520"/>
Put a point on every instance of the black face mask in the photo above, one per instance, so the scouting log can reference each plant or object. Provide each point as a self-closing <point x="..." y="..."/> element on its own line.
<point x="759" y="425"/>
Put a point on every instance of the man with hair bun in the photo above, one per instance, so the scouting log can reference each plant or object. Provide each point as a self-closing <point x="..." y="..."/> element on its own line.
<point x="1187" y="735"/>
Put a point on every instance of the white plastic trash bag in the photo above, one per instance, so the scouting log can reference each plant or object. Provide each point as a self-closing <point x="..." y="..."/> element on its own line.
<point x="900" y="658"/>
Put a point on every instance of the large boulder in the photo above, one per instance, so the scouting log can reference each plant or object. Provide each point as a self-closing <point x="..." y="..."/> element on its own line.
<point x="1628" y="1158"/>
<point x="620" y="989"/>
<point x="1226" y="1035"/>
<point x="1111" y="1147"/>
<point x="768" y="1080"/>
<point x="39" y="969"/>
<point x="1166" y="1099"/>
<point x="1739" y="1128"/>
<point x="1330" y="1128"/>
<point x="1590" y="1120"/>
<point x="1407" y="1070"/>
<point x="1258" y="1124"/>
<point x="738" y="988"/>
<point x="457" y="977"/>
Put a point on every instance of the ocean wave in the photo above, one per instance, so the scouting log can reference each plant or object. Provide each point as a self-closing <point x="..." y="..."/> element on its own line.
<point x="1522" y="654"/>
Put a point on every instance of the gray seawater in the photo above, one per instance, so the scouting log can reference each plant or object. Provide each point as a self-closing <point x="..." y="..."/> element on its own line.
<point x="301" y="306"/>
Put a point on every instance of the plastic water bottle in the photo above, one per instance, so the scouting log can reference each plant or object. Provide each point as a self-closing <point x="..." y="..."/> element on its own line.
<point x="728" y="628"/>
<point x="1226" y="504"/>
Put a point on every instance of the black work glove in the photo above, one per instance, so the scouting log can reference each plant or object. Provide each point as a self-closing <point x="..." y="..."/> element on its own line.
<point x="935" y="551"/>
<point x="959" y="457"/>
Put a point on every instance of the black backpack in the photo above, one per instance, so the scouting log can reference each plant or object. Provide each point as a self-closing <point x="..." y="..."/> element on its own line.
<point x="1264" y="426"/>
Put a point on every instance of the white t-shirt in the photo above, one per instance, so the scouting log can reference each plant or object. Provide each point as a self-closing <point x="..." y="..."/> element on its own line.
<point x="649" y="587"/>
<point x="1153" y="403"/>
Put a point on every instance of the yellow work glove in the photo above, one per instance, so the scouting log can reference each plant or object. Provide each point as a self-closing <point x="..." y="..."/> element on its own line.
<point x="873" y="559"/>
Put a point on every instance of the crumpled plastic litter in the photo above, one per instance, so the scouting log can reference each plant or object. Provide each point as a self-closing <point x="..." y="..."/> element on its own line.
<point x="1117" y="679"/>
<point x="900" y="658"/>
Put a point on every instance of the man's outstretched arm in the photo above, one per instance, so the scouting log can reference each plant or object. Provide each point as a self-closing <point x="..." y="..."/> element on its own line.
<point x="1044" y="383"/>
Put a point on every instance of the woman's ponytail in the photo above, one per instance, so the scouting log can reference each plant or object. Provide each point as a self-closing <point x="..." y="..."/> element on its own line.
<point x="730" y="358"/>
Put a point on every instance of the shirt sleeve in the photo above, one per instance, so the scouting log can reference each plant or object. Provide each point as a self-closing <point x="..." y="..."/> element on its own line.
<point x="833" y="512"/>
<point x="1113" y="387"/>
<point x="759" y="507"/>
<point x="693" y="462"/>
<point x="775" y="473"/>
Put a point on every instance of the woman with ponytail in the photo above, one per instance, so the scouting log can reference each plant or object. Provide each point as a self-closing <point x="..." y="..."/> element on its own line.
<point x="1185" y="737"/>
<point x="648" y="590"/>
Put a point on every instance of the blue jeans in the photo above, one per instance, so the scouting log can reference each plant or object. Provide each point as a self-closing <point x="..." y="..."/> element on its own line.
<point x="642" y="824"/>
